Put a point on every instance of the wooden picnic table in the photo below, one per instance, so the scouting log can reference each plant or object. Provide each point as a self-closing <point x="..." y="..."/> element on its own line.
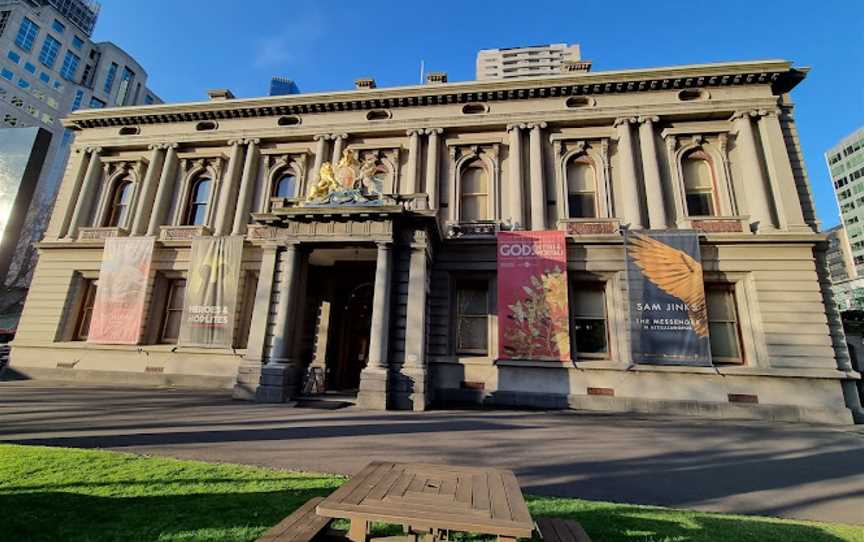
<point x="430" y="499"/>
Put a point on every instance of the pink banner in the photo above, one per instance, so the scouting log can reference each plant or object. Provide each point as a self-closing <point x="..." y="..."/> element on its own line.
<point x="118" y="310"/>
<point x="533" y="314"/>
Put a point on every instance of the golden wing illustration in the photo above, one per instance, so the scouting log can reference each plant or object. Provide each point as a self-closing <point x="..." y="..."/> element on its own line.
<point x="674" y="272"/>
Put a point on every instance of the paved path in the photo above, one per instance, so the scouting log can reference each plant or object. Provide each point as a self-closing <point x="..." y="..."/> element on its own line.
<point x="788" y="470"/>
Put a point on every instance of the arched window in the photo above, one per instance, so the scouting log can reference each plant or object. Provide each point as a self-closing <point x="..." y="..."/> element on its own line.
<point x="199" y="196"/>
<point x="284" y="187"/>
<point x="120" y="199"/>
<point x="699" y="184"/>
<point x="581" y="189"/>
<point x="474" y="192"/>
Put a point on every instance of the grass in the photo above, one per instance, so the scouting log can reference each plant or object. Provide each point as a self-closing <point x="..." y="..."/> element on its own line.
<point x="77" y="495"/>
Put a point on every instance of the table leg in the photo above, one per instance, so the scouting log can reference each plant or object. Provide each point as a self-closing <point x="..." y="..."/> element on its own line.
<point x="358" y="530"/>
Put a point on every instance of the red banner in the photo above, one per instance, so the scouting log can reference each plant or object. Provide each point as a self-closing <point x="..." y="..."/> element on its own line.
<point x="533" y="314"/>
<point x="118" y="309"/>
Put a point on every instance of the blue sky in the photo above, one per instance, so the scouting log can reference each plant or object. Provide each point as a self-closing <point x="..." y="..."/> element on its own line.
<point x="189" y="46"/>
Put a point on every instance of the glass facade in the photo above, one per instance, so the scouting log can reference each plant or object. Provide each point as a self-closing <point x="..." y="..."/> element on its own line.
<point x="846" y="165"/>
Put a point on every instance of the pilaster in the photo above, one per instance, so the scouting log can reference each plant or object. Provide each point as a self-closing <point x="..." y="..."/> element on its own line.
<point x="87" y="194"/>
<point x="415" y="393"/>
<point x="76" y="169"/>
<point x="756" y="188"/>
<point x="432" y="163"/>
<point x="228" y="190"/>
<point x="629" y="205"/>
<point x="338" y="147"/>
<point x="780" y="173"/>
<point x="148" y="190"/>
<point x="538" y="183"/>
<point x="247" y="187"/>
<point x="515" y="183"/>
<point x="249" y="371"/>
<point x="654" y="193"/>
<point x="413" y="160"/>
<point x="165" y="189"/>
<point x="374" y="378"/>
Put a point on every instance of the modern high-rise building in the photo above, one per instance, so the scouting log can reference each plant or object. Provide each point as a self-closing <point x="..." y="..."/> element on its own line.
<point x="839" y="255"/>
<point x="846" y="165"/>
<point x="282" y="86"/>
<point x="50" y="67"/>
<point x="531" y="60"/>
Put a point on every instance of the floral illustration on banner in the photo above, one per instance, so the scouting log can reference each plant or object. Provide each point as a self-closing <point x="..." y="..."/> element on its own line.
<point x="540" y="319"/>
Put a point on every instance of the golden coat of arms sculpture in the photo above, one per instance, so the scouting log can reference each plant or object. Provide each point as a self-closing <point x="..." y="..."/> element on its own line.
<point x="349" y="182"/>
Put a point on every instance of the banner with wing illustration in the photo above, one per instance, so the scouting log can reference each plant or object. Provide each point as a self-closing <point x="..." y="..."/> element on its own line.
<point x="118" y="310"/>
<point x="533" y="319"/>
<point x="668" y="314"/>
<point x="211" y="292"/>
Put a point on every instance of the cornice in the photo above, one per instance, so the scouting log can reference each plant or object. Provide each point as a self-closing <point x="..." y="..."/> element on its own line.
<point x="778" y="73"/>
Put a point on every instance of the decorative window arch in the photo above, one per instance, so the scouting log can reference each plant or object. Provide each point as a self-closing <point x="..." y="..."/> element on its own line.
<point x="474" y="188"/>
<point x="581" y="178"/>
<point x="700" y="183"/>
<point x="198" y="201"/>
<point x="285" y="185"/>
<point x="119" y="203"/>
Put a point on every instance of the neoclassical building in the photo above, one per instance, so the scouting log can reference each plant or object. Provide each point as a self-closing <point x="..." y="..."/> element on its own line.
<point x="392" y="294"/>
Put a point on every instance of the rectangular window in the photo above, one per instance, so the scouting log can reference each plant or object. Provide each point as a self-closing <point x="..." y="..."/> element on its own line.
<point x="26" y="34"/>
<point x="30" y="68"/>
<point x="23" y="83"/>
<point x="125" y="84"/>
<point x="169" y="331"/>
<point x="245" y="322"/>
<point x="58" y="86"/>
<point x="7" y="74"/>
<point x="472" y="318"/>
<point x="109" y="79"/>
<point x="48" y="54"/>
<point x="14" y="57"/>
<point x="76" y="103"/>
<point x="589" y="329"/>
<point x="723" y="328"/>
<point x="4" y="19"/>
<point x="77" y="43"/>
<point x="44" y="78"/>
<point x="58" y="26"/>
<point x="85" y="312"/>
<point x="96" y="103"/>
<point x="70" y="65"/>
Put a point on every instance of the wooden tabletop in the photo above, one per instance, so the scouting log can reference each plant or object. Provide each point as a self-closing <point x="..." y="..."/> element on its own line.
<point x="470" y="499"/>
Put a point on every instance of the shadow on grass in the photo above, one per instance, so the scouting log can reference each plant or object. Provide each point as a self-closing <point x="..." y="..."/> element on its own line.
<point x="606" y="522"/>
<point x="44" y="516"/>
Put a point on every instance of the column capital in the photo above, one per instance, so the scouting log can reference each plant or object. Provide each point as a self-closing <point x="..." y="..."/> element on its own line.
<point x="648" y="119"/>
<point x="321" y="137"/>
<point x="384" y="245"/>
<point x="516" y="126"/>
<point x="338" y="136"/>
<point x="437" y="131"/>
<point x="536" y="125"/>
<point x="624" y="120"/>
<point x="93" y="150"/>
<point x="251" y="141"/>
<point x="155" y="147"/>
<point x="414" y="131"/>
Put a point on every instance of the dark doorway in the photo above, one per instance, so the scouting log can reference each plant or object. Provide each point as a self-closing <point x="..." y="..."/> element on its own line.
<point x="350" y="322"/>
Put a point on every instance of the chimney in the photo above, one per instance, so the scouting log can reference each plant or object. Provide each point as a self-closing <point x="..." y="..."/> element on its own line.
<point x="220" y="94"/>
<point x="436" y="78"/>
<point x="364" y="83"/>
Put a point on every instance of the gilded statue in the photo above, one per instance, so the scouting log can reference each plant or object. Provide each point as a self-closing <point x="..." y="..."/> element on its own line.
<point x="325" y="185"/>
<point x="346" y="170"/>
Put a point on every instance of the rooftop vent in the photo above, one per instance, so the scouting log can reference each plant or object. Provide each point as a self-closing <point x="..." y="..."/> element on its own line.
<point x="219" y="94"/>
<point x="576" y="66"/>
<point x="436" y="78"/>
<point x="364" y="83"/>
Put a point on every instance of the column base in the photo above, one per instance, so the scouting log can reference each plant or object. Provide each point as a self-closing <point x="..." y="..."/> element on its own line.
<point x="248" y="379"/>
<point x="279" y="382"/>
<point x="374" y="385"/>
<point x="410" y="389"/>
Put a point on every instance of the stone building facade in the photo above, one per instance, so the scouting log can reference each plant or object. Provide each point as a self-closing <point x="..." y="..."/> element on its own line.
<point x="396" y="299"/>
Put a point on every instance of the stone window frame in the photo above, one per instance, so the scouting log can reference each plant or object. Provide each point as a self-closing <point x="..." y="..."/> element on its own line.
<point x="677" y="148"/>
<point x="596" y="151"/>
<point x="275" y="166"/>
<point x="115" y="173"/>
<point x="76" y="291"/>
<point x="155" y="310"/>
<point x="460" y="156"/>
<point x="199" y="168"/>
<point x="617" y="331"/>
<point x="754" y="347"/>
<point x="491" y="279"/>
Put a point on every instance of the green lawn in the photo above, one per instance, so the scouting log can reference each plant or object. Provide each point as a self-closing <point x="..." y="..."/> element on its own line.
<point x="75" y="495"/>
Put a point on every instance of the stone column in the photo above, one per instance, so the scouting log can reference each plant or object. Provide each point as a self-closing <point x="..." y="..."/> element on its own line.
<point x="413" y="160"/>
<point x="164" y="191"/>
<point x="432" y="163"/>
<point x="538" y="183"/>
<point x="654" y="195"/>
<point x="374" y="378"/>
<point x="247" y="187"/>
<point x="88" y="194"/>
<point x="228" y="190"/>
<point x="515" y="184"/>
<point x="755" y="185"/>
<point x="76" y="168"/>
<point x="338" y="146"/>
<point x="148" y="190"/>
<point x="249" y="370"/>
<point x="782" y="179"/>
<point x="280" y="377"/>
<point x="628" y="181"/>
<point x="415" y="370"/>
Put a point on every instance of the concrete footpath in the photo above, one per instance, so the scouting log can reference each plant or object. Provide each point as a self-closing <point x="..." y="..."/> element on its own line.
<point x="777" y="469"/>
